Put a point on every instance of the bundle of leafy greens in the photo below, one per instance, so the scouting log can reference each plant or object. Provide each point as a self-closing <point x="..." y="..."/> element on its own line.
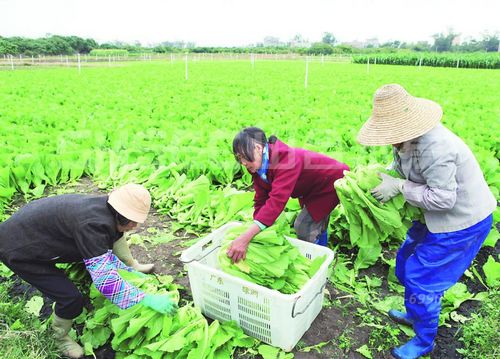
<point x="140" y="332"/>
<point x="271" y="261"/>
<point x="370" y="222"/>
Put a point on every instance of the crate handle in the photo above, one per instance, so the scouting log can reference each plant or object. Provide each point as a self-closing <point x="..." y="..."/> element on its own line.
<point x="310" y="302"/>
<point x="200" y="258"/>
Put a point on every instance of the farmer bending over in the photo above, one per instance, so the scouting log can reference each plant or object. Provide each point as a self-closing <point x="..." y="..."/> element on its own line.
<point x="278" y="173"/>
<point x="442" y="177"/>
<point x="72" y="228"/>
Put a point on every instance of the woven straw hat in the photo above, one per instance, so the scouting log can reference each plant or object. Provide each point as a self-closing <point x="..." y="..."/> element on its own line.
<point x="397" y="117"/>
<point x="132" y="201"/>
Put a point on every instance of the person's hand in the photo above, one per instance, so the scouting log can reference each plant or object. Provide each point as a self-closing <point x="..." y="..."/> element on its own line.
<point x="388" y="189"/>
<point x="238" y="248"/>
<point x="161" y="303"/>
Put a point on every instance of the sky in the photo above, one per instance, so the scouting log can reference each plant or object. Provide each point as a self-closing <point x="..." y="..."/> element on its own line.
<point x="239" y="23"/>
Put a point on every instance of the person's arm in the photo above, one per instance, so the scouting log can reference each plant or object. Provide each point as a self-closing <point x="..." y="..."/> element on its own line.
<point x="437" y="162"/>
<point x="287" y="173"/>
<point x="103" y="270"/>
<point x="260" y="197"/>
<point x="104" y="274"/>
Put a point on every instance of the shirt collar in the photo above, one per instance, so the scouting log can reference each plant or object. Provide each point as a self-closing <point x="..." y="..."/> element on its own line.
<point x="262" y="172"/>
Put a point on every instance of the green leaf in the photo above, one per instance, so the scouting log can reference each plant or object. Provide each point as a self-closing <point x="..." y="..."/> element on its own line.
<point x="492" y="238"/>
<point x="34" y="305"/>
<point x="492" y="272"/>
<point x="268" y="352"/>
<point x="364" y="351"/>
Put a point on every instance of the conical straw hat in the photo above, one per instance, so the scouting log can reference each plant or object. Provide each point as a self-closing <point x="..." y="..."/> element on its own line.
<point x="398" y="117"/>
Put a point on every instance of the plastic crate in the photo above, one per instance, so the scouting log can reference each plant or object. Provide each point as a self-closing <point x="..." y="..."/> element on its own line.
<point x="266" y="314"/>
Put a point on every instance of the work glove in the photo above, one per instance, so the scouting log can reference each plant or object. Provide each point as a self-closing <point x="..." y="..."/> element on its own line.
<point x="388" y="189"/>
<point x="161" y="303"/>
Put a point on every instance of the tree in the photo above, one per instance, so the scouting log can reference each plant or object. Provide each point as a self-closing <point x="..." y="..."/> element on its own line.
<point x="490" y="42"/>
<point x="345" y="49"/>
<point x="443" y="42"/>
<point x="328" y="38"/>
<point x="421" y="46"/>
<point x="7" y="47"/>
<point x="471" y="46"/>
<point x="320" y="48"/>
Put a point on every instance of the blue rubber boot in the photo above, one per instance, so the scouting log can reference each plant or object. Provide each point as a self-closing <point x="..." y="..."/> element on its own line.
<point x="414" y="349"/>
<point x="400" y="317"/>
<point x="322" y="239"/>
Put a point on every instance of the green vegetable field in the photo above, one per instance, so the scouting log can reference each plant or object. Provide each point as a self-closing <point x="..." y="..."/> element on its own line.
<point x="64" y="131"/>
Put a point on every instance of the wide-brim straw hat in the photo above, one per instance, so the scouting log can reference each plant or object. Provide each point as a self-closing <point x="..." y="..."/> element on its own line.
<point x="132" y="201"/>
<point x="398" y="117"/>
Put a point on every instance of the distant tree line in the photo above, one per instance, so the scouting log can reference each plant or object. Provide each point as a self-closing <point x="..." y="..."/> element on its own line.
<point x="69" y="45"/>
<point x="52" y="45"/>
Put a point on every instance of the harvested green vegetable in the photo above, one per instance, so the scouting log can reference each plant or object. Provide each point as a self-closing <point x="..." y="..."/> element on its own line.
<point x="140" y="332"/>
<point x="271" y="261"/>
<point x="370" y="223"/>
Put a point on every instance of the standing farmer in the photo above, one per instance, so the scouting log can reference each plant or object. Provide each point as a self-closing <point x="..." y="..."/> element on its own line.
<point x="72" y="228"/>
<point x="280" y="172"/>
<point x="441" y="176"/>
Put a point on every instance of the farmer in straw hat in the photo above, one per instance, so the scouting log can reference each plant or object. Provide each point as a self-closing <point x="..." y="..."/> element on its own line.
<point x="441" y="176"/>
<point x="278" y="173"/>
<point x="71" y="228"/>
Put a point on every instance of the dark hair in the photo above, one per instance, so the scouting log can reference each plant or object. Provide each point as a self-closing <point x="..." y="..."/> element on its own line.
<point x="244" y="142"/>
<point x="122" y="221"/>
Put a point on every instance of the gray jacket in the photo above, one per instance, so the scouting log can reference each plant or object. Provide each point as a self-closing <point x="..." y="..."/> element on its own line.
<point x="444" y="178"/>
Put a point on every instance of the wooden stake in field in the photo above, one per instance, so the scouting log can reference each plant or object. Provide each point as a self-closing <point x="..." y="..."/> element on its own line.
<point x="368" y="65"/>
<point x="171" y="58"/>
<point x="307" y="72"/>
<point x="420" y="63"/>
<point x="458" y="63"/>
<point x="186" y="60"/>
<point x="79" y="64"/>
<point x="12" y="62"/>
<point x="252" y="60"/>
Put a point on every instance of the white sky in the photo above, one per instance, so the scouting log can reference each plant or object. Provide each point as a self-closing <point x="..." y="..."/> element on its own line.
<point x="238" y="22"/>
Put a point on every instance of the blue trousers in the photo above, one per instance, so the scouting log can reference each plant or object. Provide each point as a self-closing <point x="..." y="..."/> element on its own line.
<point x="427" y="264"/>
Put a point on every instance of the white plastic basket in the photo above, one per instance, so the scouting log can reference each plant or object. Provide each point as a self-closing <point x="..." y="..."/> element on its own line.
<point x="266" y="314"/>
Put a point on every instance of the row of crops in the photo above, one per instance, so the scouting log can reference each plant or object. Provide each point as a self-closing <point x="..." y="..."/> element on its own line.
<point x="463" y="60"/>
<point x="145" y="123"/>
<point x="175" y="136"/>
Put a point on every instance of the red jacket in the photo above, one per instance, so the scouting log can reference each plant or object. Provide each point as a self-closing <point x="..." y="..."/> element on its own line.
<point x="297" y="173"/>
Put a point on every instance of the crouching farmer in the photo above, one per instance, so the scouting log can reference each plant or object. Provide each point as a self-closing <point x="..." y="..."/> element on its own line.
<point x="74" y="228"/>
